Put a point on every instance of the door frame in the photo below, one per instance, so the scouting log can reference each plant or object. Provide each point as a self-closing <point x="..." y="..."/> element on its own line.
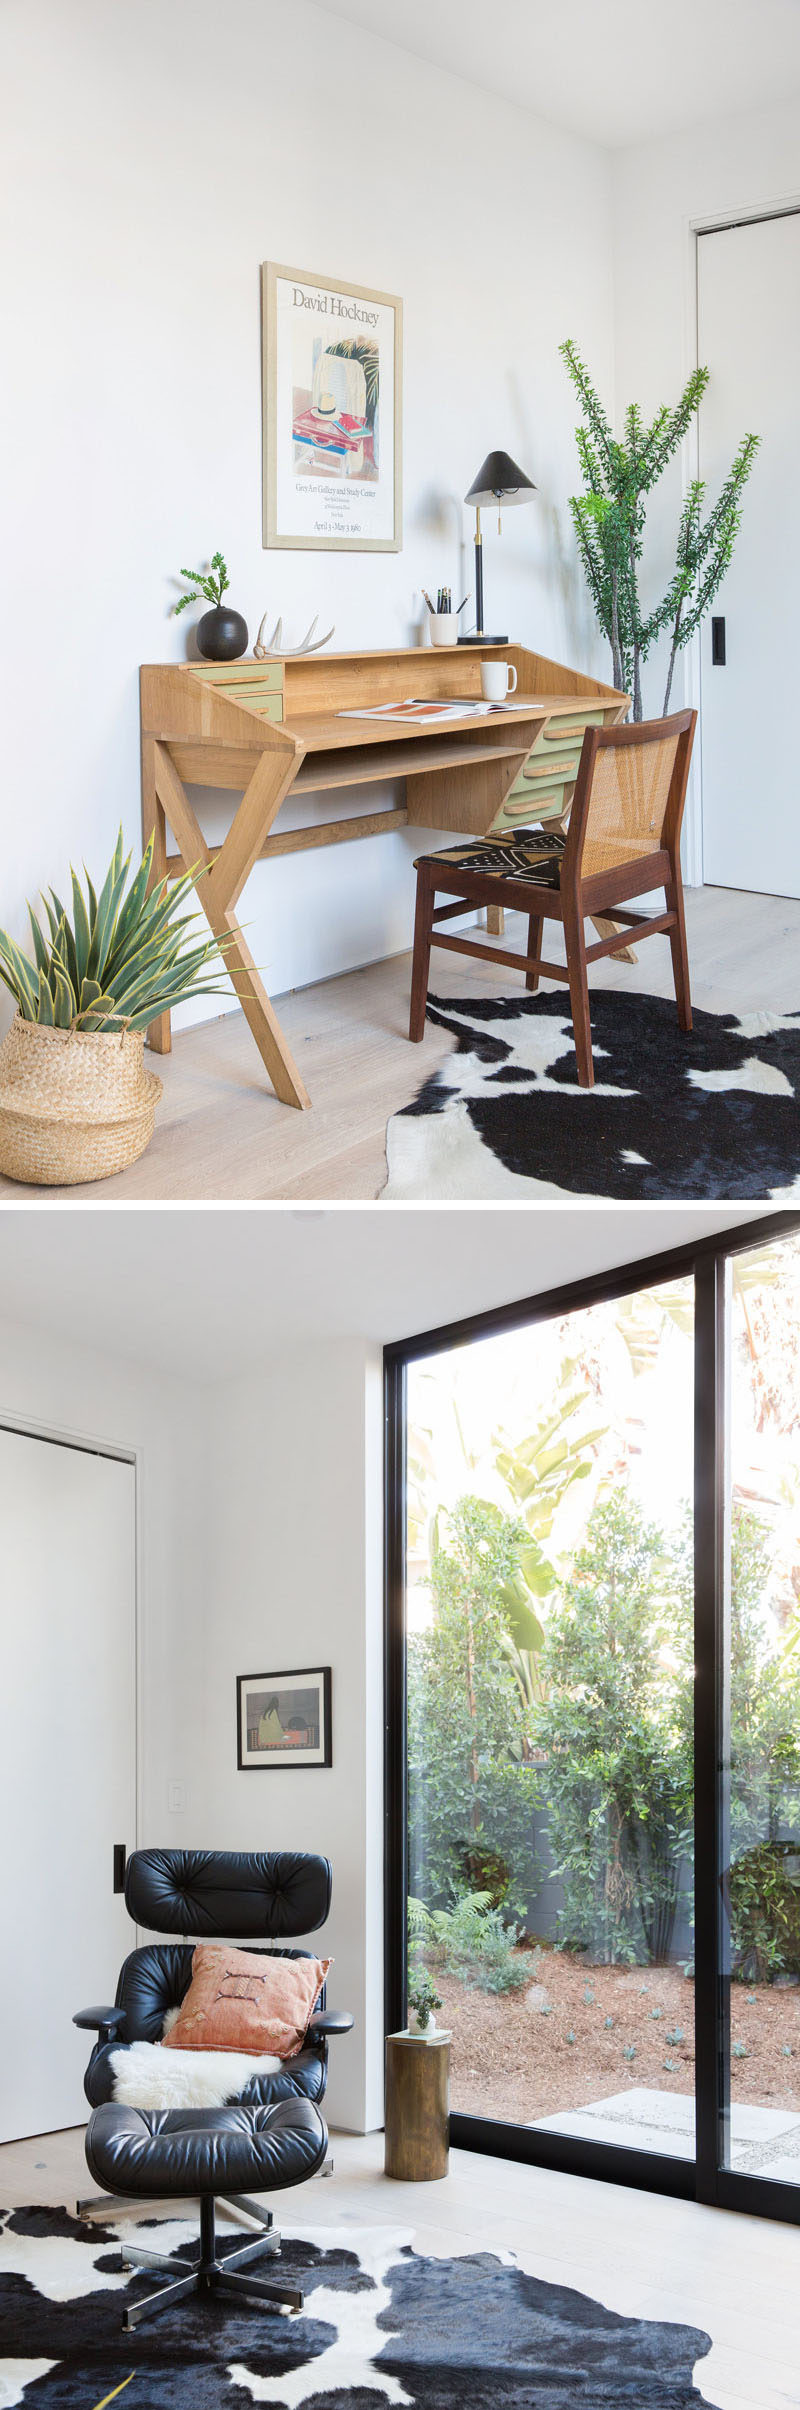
<point x="704" y="2178"/>
<point x="59" y="1435"/>
<point x="721" y="221"/>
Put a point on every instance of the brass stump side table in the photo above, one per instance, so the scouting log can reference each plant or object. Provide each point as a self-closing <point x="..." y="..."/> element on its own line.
<point x="417" y="2106"/>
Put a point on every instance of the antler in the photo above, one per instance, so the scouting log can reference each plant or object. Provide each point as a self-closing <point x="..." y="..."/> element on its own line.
<point x="274" y="648"/>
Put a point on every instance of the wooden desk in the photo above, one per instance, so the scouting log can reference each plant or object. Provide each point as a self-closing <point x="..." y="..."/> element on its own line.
<point x="272" y="728"/>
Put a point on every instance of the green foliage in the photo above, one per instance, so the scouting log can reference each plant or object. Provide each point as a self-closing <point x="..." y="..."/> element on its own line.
<point x="616" y="1728"/>
<point x="538" y="1471"/>
<point x="473" y="1940"/>
<point x="118" y="961"/>
<point x="765" y="1915"/>
<point x="609" y="521"/>
<point x="207" y="585"/>
<point x="423" y="1997"/>
<point x="471" y="1787"/>
<point x="764" y="1770"/>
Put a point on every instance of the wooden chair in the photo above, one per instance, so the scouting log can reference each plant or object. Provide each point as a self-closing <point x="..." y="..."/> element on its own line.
<point x="623" y="840"/>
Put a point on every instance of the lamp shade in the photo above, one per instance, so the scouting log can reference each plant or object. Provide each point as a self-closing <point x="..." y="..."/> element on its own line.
<point x="499" y="480"/>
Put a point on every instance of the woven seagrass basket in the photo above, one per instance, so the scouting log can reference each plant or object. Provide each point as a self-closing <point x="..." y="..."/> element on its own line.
<point x="74" y="1104"/>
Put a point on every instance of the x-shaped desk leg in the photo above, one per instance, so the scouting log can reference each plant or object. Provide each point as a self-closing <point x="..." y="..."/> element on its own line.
<point x="220" y="887"/>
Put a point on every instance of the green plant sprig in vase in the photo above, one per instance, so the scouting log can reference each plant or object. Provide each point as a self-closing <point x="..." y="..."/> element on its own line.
<point x="221" y="633"/>
<point x="423" y="1999"/>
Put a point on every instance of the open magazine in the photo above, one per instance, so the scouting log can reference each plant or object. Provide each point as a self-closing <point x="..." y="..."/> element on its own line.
<point x="420" y="710"/>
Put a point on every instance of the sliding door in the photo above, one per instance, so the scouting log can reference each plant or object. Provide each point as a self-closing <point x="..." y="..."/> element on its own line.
<point x="593" y="1799"/>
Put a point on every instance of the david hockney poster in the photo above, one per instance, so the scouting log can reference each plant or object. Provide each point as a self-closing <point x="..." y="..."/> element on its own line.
<point x="332" y="414"/>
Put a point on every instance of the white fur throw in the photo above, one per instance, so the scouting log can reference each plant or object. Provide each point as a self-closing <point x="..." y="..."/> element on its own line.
<point x="148" y="2077"/>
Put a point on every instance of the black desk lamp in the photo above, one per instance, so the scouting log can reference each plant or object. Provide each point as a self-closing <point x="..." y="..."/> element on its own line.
<point x="500" y="481"/>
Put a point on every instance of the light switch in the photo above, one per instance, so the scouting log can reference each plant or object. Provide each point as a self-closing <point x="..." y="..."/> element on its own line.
<point x="176" y="1798"/>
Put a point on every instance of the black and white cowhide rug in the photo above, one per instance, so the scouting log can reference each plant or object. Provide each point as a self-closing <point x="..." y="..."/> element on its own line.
<point x="381" y="2325"/>
<point x="712" y="1114"/>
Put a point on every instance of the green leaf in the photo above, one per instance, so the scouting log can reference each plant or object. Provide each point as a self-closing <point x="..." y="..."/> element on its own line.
<point x="26" y="975"/>
<point x="81" y="930"/>
<point x="41" y="955"/>
<point x="44" y="1012"/>
<point x="64" y="1000"/>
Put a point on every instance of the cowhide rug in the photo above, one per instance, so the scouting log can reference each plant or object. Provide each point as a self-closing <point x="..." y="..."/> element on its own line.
<point x="712" y="1114"/>
<point x="381" y="2325"/>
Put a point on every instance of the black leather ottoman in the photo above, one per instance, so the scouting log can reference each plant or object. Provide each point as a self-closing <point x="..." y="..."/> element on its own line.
<point x="182" y="2153"/>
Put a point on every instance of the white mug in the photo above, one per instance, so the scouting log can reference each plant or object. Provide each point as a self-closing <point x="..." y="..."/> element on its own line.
<point x="498" y="679"/>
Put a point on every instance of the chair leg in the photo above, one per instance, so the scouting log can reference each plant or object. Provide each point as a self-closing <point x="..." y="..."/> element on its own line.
<point x="535" y="927"/>
<point x="420" y="967"/>
<point x="579" y="992"/>
<point x="679" y="949"/>
<point x="162" y="2300"/>
<point x="280" y="2296"/>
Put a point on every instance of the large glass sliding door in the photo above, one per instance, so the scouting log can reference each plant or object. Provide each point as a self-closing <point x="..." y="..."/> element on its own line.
<point x="594" y="1720"/>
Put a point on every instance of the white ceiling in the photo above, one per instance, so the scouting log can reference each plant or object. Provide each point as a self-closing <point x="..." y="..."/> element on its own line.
<point x="616" y="71"/>
<point x="208" y="1294"/>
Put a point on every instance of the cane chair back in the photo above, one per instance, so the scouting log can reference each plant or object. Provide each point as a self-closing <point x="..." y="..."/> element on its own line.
<point x="630" y="793"/>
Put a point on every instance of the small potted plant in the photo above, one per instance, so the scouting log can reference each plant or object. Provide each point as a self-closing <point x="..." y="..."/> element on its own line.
<point x="221" y="633"/>
<point x="423" y="1998"/>
<point x="75" y="1100"/>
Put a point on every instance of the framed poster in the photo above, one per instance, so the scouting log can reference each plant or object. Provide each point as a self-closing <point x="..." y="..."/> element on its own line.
<point x="332" y="414"/>
<point x="284" y="1719"/>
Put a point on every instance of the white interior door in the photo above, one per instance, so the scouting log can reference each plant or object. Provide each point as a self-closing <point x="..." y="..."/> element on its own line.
<point x="67" y="1764"/>
<point x="749" y="336"/>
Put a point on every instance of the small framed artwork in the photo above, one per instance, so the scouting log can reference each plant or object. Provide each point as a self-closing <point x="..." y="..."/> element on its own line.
<point x="332" y="414"/>
<point x="284" y="1719"/>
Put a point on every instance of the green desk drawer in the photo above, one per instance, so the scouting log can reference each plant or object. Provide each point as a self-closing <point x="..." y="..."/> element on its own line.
<point x="543" y="788"/>
<point x="255" y="684"/>
<point x="232" y="674"/>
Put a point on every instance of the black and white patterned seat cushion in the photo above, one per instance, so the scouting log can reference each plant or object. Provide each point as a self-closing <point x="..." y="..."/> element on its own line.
<point x="526" y="853"/>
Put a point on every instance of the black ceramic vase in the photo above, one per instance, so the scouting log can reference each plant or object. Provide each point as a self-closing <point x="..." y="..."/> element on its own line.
<point x="221" y="634"/>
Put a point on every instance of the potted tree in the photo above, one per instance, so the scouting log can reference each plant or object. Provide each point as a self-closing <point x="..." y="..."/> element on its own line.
<point x="75" y="1100"/>
<point x="609" y="521"/>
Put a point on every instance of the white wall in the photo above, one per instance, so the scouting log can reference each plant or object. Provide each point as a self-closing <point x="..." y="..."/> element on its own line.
<point x="84" y="1394"/>
<point x="260" y="1527"/>
<point x="294" y="1578"/>
<point x="661" y="192"/>
<point x="154" y="152"/>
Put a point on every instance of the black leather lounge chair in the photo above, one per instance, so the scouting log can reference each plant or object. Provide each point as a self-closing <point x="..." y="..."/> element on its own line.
<point x="273" y="2136"/>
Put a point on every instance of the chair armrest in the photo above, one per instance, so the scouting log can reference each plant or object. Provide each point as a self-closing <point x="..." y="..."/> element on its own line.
<point x="330" y="2020"/>
<point x="108" y="2022"/>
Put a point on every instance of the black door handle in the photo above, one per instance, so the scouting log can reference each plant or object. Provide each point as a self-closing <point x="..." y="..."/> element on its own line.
<point x="718" y="643"/>
<point x="120" y="1857"/>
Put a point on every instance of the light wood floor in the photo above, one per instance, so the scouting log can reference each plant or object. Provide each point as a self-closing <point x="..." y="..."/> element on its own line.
<point x="220" y="1132"/>
<point x="738" y="2278"/>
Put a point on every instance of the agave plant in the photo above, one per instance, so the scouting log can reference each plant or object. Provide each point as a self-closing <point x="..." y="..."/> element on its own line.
<point x="119" y="961"/>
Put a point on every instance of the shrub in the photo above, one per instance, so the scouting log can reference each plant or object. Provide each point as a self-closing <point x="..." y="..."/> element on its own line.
<point x="472" y="1939"/>
<point x="616" y="1728"/>
<point x="472" y="1791"/>
<point x="765" y="1914"/>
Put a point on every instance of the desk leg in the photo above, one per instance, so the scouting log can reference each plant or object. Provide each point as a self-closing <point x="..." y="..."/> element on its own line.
<point x="495" y="920"/>
<point x="221" y="886"/>
<point x="159" y="1035"/>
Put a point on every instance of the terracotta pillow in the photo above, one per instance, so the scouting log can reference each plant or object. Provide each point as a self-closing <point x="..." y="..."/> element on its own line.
<point x="243" y="2000"/>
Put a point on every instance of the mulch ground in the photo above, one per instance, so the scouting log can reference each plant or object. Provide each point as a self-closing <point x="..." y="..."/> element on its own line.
<point x="531" y="2053"/>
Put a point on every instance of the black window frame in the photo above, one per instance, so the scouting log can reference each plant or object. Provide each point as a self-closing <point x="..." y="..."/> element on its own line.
<point x="705" y="2178"/>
